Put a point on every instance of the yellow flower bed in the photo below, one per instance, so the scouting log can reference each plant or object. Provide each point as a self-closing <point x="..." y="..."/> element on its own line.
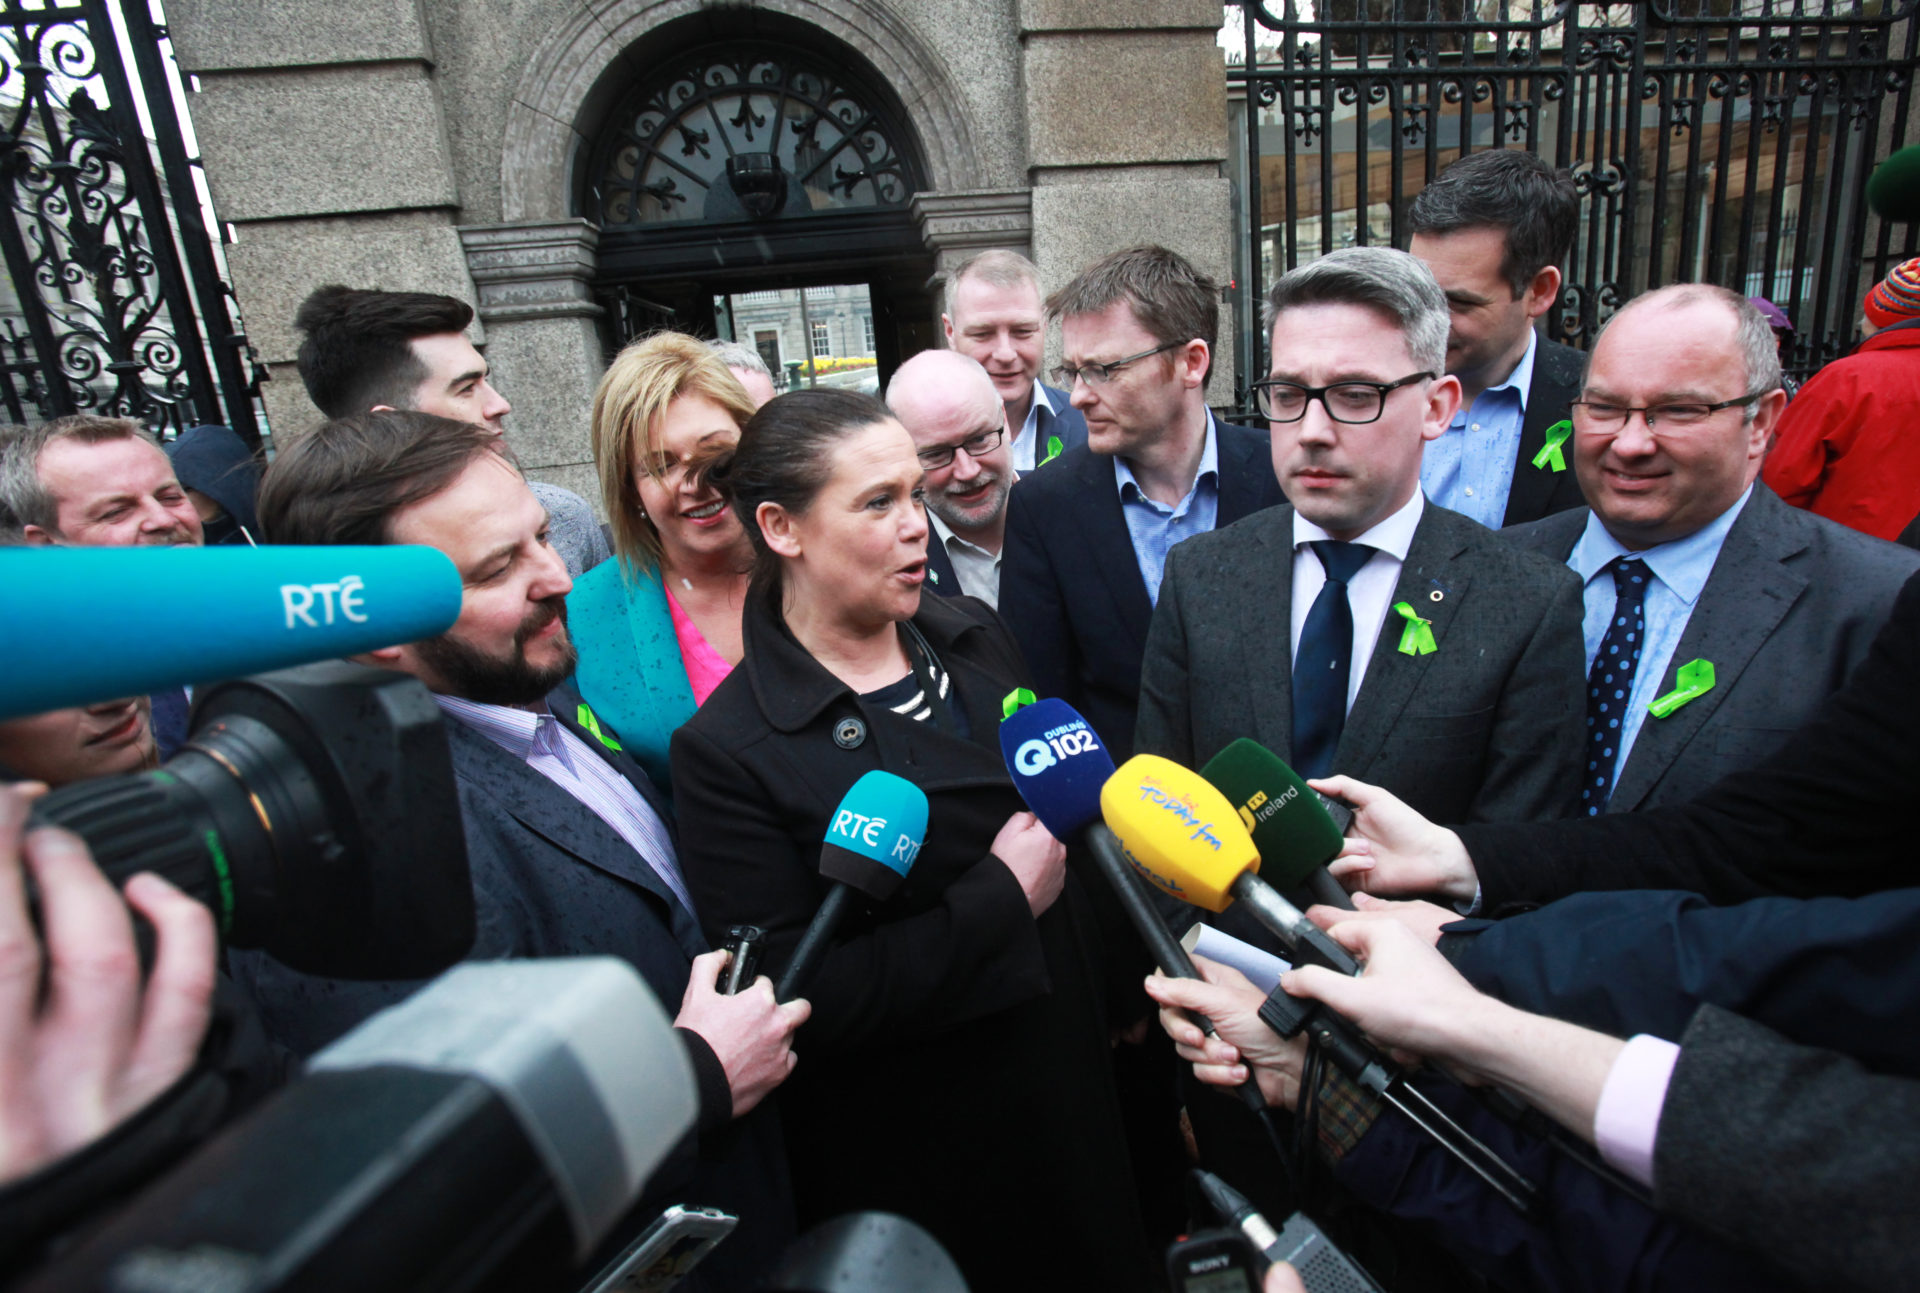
<point x="842" y="364"/>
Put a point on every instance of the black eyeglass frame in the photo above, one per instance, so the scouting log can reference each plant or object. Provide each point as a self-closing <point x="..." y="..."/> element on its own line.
<point x="1312" y="393"/>
<point x="1649" y="411"/>
<point x="1066" y="374"/>
<point x="975" y="445"/>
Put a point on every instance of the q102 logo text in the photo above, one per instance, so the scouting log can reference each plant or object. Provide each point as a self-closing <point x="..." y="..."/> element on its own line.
<point x="1036" y="756"/>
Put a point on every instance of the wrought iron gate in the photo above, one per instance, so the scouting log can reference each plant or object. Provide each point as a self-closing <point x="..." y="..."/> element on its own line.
<point x="1724" y="141"/>
<point x="118" y="305"/>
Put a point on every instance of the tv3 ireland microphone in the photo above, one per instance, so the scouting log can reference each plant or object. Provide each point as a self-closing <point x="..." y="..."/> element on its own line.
<point x="872" y="840"/>
<point x="79" y="625"/>
<point x="1059" y="766"/>
<point x="1286" y="817"/>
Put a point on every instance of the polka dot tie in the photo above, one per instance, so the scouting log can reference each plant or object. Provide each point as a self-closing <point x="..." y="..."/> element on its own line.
<point x="1610" y="681"/>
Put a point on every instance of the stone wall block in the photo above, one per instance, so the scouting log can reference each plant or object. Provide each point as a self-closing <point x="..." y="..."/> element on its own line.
<point x="234" y="35"/>
<point x="1123" y="98"/>
<point x="1112" y="15"/>
<point x="330" y="142"/>
<point x="547" y="368"/>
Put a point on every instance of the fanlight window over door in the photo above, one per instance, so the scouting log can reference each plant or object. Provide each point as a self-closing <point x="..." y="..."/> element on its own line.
<point x="746" y="132"/>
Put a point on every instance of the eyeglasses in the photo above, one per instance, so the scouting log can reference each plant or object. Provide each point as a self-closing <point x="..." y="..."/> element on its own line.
<point x="984" y="443"/>
<point x="1354" y="403"/>
<point x="1597" y="415"/>
<point x="1101" y="374"/>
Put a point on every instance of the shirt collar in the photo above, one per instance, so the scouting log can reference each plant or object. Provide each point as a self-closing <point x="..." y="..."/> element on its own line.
<point x="1683" y="565"/>
<point x="1519" y="381"/>
<point x="1041" y="400"/>
<point x="1393" y="535"/>
<point x="517" y="731"/>
<point x="1209" y="466"/>
<point x="948" y="538"/>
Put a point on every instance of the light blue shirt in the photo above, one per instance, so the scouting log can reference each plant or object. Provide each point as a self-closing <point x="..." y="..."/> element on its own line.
<point x="1680" y="570"/>
<point x="1470" y="467"/>
<point x="1155" y="527"/>
<point x="1027" y="449"/>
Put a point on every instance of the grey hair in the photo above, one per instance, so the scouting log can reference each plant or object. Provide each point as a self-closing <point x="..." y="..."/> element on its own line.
<point x="738" y="354"/>
<point x="1753" y="335"/>
<point x="24" y="500"/>
<point x="1379" y="278"/>
<point x="999" y="267"/>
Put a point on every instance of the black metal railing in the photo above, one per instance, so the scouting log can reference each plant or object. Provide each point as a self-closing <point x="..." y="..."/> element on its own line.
<point x="1724" y="141"/>
<point x="118" y="305"/>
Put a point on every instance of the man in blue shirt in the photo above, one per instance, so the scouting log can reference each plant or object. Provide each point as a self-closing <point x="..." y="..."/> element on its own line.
<point x="1494" y="228"/>
<point x="1717" y="618"/>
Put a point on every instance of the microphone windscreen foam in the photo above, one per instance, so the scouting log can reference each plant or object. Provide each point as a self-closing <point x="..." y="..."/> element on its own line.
<point x="1281" y="812"/>
<point x="1178" y="831"/>
<point x="1057" y="764"/>
<point x="79" y="625"/>
<point x="875" y="834"/>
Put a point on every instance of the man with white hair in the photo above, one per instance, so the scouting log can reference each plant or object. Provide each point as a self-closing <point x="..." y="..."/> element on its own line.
<point x="746" y="364"/>
<point x="950" y="407"/>
<point x="994" y="317"/>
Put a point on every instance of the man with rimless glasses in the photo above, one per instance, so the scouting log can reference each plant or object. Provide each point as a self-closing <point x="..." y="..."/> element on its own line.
<point x="1717" y="618"/>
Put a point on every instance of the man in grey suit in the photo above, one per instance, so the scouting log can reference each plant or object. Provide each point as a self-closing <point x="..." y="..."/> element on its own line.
<point x="1363" y="627"/>
<point x="1751" y="612"/>
<point x="571" y="847"/>
<point x="994" y="318"/>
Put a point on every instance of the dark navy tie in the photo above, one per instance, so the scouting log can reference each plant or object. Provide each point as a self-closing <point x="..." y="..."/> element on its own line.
<point x="1610" y="681"/>
<point x="1324" y="663"/>
<point x="170" y="709"/>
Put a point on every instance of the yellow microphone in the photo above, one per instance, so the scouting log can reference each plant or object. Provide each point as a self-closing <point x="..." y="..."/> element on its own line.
<point x="1183" y="836"/>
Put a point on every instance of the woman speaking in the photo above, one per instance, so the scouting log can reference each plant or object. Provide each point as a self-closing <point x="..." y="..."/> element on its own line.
<point x="956" y="1068"/>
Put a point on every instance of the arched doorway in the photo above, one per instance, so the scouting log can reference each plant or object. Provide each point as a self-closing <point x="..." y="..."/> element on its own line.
<point x="757" y="184"/>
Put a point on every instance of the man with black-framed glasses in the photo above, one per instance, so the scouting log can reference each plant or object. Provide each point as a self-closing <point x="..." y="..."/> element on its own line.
<point x="950" y="406"/>
<point x="1718" y="618"/>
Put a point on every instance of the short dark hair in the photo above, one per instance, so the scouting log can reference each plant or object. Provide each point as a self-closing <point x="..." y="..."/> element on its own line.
<point x="785" y="456"/>
<point x="343" y="482"/>
<point x="358" y="348"/>
<point x="1505" y="188"/>
<point x="1174" y="302"/>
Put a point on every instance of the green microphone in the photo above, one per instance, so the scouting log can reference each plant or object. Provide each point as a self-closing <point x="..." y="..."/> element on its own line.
<point x="1286" y="817"/>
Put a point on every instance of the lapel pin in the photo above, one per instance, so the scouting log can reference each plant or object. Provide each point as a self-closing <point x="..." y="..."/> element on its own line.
<point x="1436" y="596"/>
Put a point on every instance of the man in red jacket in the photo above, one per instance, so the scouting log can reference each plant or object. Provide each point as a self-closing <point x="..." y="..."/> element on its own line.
<point x="1847" y="449"/>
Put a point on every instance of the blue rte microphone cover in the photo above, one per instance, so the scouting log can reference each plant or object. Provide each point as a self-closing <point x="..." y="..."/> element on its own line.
<point x="1282" y="813"/>
<point x="875" y="834"/>
<point x="80" y="625"/>
<point x="1058" y="765"/>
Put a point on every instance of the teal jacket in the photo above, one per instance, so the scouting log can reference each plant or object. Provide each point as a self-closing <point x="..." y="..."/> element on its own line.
<point x="630" y="670"/>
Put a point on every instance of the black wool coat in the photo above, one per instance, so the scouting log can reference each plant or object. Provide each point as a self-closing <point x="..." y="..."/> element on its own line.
<point x="956" y="1068"/>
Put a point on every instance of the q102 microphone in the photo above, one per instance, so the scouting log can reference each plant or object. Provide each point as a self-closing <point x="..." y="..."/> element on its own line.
<point x="1183" y="835"/>
<point x="79" y="625"/>
<point x="872" y="840"/>
<point x="1285" y="817"/>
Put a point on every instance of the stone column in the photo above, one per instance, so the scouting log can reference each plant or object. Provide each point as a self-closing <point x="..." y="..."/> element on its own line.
<point x="535" y="283"/>
<point x="1127" y="139"/>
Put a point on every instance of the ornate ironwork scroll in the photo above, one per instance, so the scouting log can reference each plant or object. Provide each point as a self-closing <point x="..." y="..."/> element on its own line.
<point x="1724" y="141"/>
<point x="117" y="305"/>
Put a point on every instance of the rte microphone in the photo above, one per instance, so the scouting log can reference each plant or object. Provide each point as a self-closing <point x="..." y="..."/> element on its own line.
<point x="198" y="614"/>
<point x="1284" y="815"/>
<point x="1183" y="835"/>
<point x="1059" y="766"/>
<point x="871" y="843"/>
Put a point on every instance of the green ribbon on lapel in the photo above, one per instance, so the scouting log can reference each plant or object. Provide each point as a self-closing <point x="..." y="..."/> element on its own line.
<point x="586" y="719"/>
<point x="1695" y="679"/>
<point x="1054" y="446"/>
<point x="1015" y="700"/>
<point x="1550" y="457"/>
<point x="1417" y="637"/>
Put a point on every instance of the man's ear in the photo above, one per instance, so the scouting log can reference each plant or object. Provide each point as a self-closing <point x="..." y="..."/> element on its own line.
<point x="1443" y="401"/>
<point x="393" y="657"/>
<point x="946" y="322"/>
<point x="1543" y="291"/>
<point x="37" y="537"/>
<point x="1196" y="361"/>
<point x="776" y="526"/>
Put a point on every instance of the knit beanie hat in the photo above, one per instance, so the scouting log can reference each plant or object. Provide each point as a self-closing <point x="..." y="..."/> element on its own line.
<point x="1896" y="297"/>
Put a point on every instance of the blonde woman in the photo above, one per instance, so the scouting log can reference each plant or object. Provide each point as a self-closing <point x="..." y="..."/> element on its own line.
<point x="658" y="627"/>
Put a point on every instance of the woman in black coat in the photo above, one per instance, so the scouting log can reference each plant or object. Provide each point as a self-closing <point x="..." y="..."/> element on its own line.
<point x="956" y="1068"/>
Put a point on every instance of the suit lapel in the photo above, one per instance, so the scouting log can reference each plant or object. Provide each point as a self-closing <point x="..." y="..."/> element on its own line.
<point x="657" y="663"/>
<point x="1109" y="545"/>
<point x="940" y="574"/>
<point x="1553" y="388"/>
<point x="1392" y="676"/>
<point x="1743" y="602"/>
<point x="1266" y="623"/>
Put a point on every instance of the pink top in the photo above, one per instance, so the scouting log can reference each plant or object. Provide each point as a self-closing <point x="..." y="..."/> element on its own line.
<point x="705" y="666"/>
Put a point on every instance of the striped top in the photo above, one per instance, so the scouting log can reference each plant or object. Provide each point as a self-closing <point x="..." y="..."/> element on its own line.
<point x="907" y="697"/>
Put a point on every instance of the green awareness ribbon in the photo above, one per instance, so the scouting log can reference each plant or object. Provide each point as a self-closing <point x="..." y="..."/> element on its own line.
<point x="1550" y="456"/>
<point x="1417" y="637"/>
<point x="586" y="719"/>
<point x="1695" y="680"/>
<point x="1015" y="700"/>
<point x="1054" y="446"/>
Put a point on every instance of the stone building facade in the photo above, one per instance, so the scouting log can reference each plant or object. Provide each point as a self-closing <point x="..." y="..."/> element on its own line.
<point x="480" y="148"/>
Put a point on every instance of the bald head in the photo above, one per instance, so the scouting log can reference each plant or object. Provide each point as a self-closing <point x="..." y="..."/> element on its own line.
<point x="935" y="383"/>
<point x="946" y="401"/>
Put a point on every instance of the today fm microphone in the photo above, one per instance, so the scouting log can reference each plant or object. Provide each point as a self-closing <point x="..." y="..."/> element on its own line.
<point x="80" y="625"/>
<point x="1059" y="767"/>
<point x="872" y="840"/>
<point x="1184" y="836"/>
<point x="1287" y="819"/>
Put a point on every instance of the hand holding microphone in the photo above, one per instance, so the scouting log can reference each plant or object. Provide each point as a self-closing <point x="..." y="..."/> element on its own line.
<point x="1037" y="859"/>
